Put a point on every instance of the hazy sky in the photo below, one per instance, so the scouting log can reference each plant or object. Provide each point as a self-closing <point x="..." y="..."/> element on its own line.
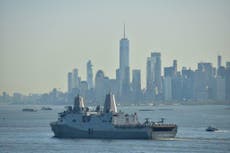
<point x="42" y="40"/>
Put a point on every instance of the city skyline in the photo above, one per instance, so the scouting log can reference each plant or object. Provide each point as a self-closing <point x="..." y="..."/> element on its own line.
<point x="34" y="65"/>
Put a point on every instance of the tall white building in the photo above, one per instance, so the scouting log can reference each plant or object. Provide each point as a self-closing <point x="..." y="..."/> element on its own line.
<point x="89" y="75"/>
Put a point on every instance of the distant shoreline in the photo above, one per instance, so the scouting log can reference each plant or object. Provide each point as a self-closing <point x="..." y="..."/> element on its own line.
<point x="156" y="103"/>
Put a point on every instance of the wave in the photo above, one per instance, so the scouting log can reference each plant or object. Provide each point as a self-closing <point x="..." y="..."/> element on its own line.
<point x="200" y="138"/>
<point x="222" y="131"/>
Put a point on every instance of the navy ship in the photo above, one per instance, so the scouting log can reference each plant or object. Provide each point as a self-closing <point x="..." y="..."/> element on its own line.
<point x="80" y="122"/>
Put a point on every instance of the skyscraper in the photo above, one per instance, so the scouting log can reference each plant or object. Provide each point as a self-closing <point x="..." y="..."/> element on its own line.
<point x="136" y="81"/>
<point x="206" y="67"/>
<point x="218" y="61"/>
<point x="124" y="68"/>
<point x="76" y="81"/>
<point x="220" y="89"/>
<point x="175" y="66"/>
<point x="136" y="86"/>
<point x="167" y="88"/>
<point x="203" y="81"/>
<point x="220" y="68"/>
<point x="157" y="70"/>
<point x="149" y="75"/>
<point x="227" y="81"/>
<point x="89" y="75"/>
<point x="100" y="86"/>
<point x="153" y="74"/>
<point x="70" y="82"/>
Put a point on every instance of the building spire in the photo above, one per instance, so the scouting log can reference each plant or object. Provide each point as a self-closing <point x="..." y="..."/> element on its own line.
<point x="124" y="30"/>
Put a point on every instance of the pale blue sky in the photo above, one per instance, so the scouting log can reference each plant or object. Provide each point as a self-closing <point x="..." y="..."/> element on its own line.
<point x="41" y="41"/>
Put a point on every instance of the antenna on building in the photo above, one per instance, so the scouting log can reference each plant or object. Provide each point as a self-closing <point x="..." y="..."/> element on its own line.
<point x="124" y="30"/>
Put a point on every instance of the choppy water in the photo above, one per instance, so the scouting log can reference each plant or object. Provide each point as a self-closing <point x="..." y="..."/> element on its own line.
<point x="29" y="132"/>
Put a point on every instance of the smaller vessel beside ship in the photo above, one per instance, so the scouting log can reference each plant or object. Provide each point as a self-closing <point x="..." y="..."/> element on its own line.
<point x="211" y="129"/>
<point x="46" y="108"/>
<point x="29" y="110"/>
<point x="79" y="122"/>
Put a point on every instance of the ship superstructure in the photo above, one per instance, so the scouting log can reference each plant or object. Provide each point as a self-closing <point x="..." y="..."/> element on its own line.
<point x="80" y="122"/>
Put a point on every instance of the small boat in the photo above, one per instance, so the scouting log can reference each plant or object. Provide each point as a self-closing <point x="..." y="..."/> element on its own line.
<point x="46" y="108"/>
<point x="146" y="109"/>
<point x="29" y="110"/>
<point x="211" y="129"/>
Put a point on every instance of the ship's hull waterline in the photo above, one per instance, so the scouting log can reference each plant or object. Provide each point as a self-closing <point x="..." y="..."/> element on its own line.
<point x="65" y="131"/>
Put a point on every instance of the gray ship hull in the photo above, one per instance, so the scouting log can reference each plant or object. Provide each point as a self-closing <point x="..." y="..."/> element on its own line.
<point x="80" y="122"/>
<point x="65" y="131"/>
<point x="163" y="135"/>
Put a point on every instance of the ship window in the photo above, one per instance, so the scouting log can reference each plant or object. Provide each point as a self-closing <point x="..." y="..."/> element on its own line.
<point x="74" y="120"/>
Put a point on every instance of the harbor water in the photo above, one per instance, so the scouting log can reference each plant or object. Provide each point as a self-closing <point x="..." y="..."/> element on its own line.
<point x="29" y="132"/>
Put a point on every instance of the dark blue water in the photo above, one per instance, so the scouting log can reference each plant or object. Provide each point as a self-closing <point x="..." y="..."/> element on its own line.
<point x="29" y="132"/>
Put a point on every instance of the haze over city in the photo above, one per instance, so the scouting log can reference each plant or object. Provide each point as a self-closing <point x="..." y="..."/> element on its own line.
<point x="41" y="41"/>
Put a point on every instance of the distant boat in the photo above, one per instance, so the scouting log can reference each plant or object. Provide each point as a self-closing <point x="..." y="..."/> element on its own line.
<point x="165" y="109"/>
<point x="29" y="110"/>
<point x="146" y="109"/>
<point x="46" y="108"/>
<point x="211" y="129"/>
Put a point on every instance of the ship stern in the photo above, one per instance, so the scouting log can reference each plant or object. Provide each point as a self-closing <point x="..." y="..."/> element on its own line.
<point x="164" y="131"/>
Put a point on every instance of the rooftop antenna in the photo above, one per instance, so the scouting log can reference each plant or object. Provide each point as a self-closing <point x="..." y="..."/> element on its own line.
<point x="124" y="30"/>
